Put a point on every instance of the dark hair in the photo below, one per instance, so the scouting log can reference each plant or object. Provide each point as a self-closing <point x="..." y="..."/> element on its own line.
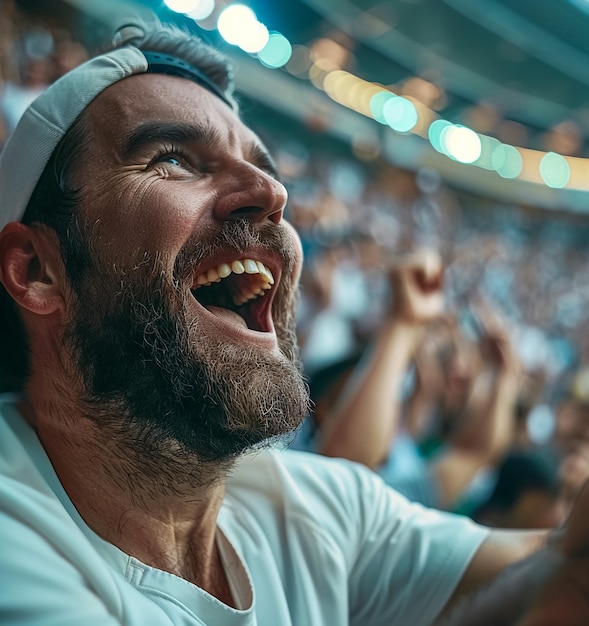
<point x="322" y="380"/>
<point x="519" y="473"/>
<point x="54" y="201"/>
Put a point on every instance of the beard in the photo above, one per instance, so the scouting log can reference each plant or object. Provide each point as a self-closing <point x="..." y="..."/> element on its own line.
<point x="178" y="403"/>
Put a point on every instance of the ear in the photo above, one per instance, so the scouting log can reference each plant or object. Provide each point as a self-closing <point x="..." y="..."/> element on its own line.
<point x="30" y="267"/>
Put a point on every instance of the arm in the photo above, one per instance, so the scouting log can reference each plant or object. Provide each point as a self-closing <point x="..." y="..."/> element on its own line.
<point x="489" y="422"/>
<point x="488" y="427"/>
<point x="502" y="549"/>
<point x="549" y="587"/>
<point x="366" y="417"/>
<point x="429" y="383"/>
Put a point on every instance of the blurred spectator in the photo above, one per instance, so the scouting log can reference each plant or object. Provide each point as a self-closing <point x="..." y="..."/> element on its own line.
<point x="32" y="55"/>
<point x="15" y="97"/>
<point x="345" y="293"/>
<point x="537" y="485"/>
<point x="571" y="398"/>
<point x="67" y="54"/>
<point x="361" y="412"/>
<point x="526" y="494"/>
<point x="12" y="23"/>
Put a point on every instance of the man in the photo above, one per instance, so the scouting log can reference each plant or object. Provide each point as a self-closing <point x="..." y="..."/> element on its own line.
<point x="149" y="283"/>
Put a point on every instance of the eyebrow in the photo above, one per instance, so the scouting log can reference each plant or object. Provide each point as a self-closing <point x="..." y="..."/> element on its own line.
<point x="150" y="133"/>
<point x="172" y="132"/>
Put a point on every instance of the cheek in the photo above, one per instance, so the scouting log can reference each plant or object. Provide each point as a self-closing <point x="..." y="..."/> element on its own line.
<point x="140" y="218"/>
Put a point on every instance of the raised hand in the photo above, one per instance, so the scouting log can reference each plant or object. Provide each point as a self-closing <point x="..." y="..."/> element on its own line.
<point x="496" y="343"/>
<point x="416" y="281"/>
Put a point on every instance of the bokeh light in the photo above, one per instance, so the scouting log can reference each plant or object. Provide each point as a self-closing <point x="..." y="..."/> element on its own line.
<point x="400" y="114"/>
<point x="254" y="38"/>
<point x="182" y="6"/>
<point x="202" y="10"/>
<point x="555" y="170"/>
<point x="488" y="145"/>
<point x="461" y="143"/>
<point x="277" y="52"/>
<point x="435" y="131"/>
<point x="234" y="21"/>
<point x="507" y="161"/>
<point x="300" y="61"/>
<point x="330" y="50"/>
<point x="377" y="104"/>
<point x="333" y="83"/>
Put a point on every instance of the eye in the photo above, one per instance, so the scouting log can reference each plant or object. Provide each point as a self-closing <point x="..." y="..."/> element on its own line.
<point x="173" y="160"/>
<point x="172" y="157"/>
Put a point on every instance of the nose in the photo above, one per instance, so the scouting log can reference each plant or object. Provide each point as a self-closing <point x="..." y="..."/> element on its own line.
<point x="248" y="192"/>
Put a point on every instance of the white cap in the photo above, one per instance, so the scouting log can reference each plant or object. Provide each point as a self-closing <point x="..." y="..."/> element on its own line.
<point x="45" y="122"/>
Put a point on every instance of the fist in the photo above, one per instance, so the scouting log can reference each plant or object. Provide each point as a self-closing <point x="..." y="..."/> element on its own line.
<point x="416" y="282"/>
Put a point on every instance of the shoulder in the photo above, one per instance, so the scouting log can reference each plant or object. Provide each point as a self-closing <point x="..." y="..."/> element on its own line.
<point x="305" y="479"/>
<point x="343" y="495"/>
<point x="45" y="559"/>
<point x="343" y="519"/>
<point x="330" y="495"/>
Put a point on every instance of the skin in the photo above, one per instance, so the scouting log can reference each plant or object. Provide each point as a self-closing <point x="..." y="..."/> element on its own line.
<point x="139" y="204"/>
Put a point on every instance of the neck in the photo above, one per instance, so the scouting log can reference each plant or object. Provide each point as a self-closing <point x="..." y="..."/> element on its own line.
<point x="165" y="518"/>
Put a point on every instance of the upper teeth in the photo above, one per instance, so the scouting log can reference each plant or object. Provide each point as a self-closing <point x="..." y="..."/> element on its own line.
<point x="249" y="266"/>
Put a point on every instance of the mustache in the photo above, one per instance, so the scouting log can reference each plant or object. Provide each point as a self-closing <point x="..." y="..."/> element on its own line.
<point x="237" y="236"/>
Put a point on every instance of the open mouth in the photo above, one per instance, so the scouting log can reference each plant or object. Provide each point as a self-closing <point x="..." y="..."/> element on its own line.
<point x="240" y="291"/>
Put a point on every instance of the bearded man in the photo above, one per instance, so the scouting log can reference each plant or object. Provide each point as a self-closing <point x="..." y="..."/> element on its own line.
<point x="149" y="283"/>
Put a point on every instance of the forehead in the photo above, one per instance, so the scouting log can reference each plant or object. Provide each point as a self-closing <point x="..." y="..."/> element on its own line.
<point x="155" y="97"/>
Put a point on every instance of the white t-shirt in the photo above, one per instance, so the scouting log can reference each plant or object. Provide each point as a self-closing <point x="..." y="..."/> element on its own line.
<point x="305" y="541"/>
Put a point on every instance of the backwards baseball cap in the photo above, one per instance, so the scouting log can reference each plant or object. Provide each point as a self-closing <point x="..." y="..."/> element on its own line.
<point x="48" y="118"/>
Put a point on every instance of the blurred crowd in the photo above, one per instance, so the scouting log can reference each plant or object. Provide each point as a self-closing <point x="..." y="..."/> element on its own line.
<point x="493" y="401"/>
<point x="34" y="52"/>
<point x="480" y="404"/>
<point x="355" y="219"/>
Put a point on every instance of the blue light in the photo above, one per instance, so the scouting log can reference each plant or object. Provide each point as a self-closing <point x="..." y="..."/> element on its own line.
<point x="377" y="104"/>
<point x="435" y="131"/>
<point x="276" y="52"/>
<point x="555" y="170"/>
<point x="400" y="114"/>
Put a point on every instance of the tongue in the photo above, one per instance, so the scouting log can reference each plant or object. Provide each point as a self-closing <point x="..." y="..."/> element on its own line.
<point x="228" y="315"/>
